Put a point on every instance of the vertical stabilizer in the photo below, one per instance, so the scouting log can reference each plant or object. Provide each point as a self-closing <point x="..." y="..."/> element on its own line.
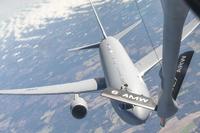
<point x="98" y="20"/>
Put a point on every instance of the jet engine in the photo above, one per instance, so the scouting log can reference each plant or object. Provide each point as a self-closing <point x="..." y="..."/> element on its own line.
<point x="78" y="107"/>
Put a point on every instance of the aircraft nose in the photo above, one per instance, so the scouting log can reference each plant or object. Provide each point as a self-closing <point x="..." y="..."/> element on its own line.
<point x="141" y="113"/>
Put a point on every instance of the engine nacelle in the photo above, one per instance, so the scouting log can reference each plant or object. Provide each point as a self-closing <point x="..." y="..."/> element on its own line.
<point x="79" y="108"/>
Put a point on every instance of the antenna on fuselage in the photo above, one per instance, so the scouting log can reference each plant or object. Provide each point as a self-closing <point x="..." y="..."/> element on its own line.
<point x="98" y="20"/>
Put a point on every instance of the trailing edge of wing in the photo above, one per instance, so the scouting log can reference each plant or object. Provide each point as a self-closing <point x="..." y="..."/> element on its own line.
<point x="151" y="59"/>
<point x="127" y="30"/>
<point x="69" y="88"/>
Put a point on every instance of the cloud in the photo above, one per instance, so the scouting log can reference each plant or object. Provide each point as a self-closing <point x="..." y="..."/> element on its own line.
<point x="38" y="16"/>
<point x="4" y="124"/>
<point x="46" y="129"/>
<point x="48" y="116"/>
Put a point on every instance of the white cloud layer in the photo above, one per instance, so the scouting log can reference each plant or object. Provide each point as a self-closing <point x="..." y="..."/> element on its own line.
<point x="39" y="15"/>
<point x="36" y="17"/>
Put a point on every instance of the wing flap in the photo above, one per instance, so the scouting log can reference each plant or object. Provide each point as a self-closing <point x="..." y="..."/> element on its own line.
<point x="69" y="88"/>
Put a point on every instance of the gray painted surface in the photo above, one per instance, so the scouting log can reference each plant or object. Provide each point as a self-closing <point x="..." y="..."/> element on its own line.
<point x="122" y="73"/>
<point x="175" y="13"/>
<point x="120" y="70"/>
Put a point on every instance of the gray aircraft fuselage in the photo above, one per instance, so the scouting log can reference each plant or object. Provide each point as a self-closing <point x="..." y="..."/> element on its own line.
<point x="119" y="70"/>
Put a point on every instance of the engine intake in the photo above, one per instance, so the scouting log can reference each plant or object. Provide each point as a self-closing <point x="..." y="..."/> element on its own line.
<point x="78" y="108"/>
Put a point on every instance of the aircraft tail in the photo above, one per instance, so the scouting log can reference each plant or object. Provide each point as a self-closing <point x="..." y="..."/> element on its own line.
<point x="98" y="20"/>
<point x="94" y="45"/>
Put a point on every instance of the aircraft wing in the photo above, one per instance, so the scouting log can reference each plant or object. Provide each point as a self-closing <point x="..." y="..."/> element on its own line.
<point x="127" y="30"/>
<point x="189" y="28"/>
<point x="151" y="59"/>
<point x="148" y="61"/>
<point x="69" y="88"/>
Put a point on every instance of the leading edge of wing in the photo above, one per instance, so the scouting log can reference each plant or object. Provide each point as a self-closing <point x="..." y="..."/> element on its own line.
<point x="69" y="88"/>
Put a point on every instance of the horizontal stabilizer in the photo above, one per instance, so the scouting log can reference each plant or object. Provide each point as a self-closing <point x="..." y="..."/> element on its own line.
<point x="69" y="88"/>
<point x="183" y="64"/>
<point x="90" y="46"/>
<point x="130" y="98"/>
